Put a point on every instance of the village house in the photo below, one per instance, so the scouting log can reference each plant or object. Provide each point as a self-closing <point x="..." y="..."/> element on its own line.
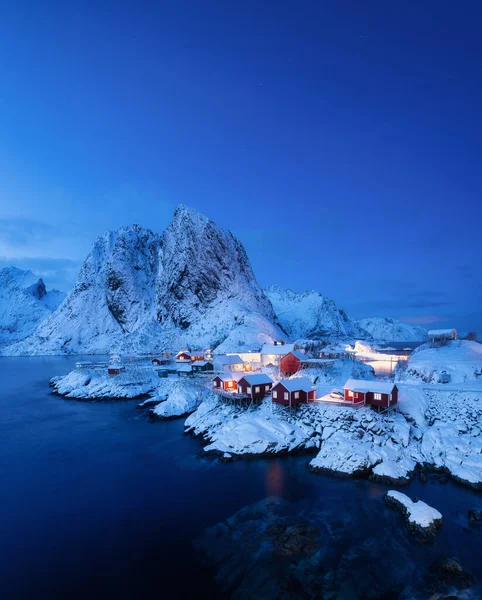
<point x="381" y="394"/>
<point x="184" y="356"/>
<point x="226" y="382"/>
<point x="184" y="370"/>
<point x="252" y="360"/>
<point x="228" y="363"/>
<point x="271" y="354"/>
<point x="441" y="335"/>
<point x="255" y="386"/>
<point x="159" y="361"/>
<point x="335" y="351"/>
<point x="202" y="366"/>
<point x="291" y="392"/>
<point x="292" y="362"/>
<point x="115" y="369"/>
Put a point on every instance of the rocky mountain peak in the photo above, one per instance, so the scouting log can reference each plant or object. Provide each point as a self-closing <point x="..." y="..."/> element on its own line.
<point x="38" y="289"/>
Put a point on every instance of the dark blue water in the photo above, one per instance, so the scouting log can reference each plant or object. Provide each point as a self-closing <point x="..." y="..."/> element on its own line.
<point x="95" y="499"/>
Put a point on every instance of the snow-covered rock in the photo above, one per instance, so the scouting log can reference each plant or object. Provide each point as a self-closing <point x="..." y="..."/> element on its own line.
<point x="461" y="360"/>
<point x="342" y="455"/>
<point x="310" y="315"/>
<point x="181" y="397"/>
<point x="413" y="402"/>
<point x="384" y="329"/>
<point x="138" y="291"/>
<point x="394" y="472"/>
<point x="96" y="384"/>
<point x="230" y="430"/>
<point x="421" y="517"/>
<point x="24" y="303"/>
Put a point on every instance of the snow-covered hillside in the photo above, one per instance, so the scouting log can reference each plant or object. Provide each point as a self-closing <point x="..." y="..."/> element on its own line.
<point x="24" y="303"/>
<point x="461" y="360"/>
<point x="139" y="291"/>
<point x="383" y="329"/>
<point x="310" y="315"/>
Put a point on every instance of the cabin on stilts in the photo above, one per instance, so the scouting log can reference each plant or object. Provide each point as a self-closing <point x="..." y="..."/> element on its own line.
<point x="291" y="392"/>
<point x="380" y="394"/>
<point x="255" y="387"/>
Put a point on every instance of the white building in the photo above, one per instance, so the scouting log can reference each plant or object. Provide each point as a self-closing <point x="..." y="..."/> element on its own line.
<point x="437" y="335"/>
<point x="271" y="354"/>
<point x="226" y="363"/>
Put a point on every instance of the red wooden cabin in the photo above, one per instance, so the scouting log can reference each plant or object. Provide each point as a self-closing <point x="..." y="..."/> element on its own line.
<point x="226" y="381"/>
<point x="184" y="355"/>
<point x="255" y="386"/>
<point x="381" y="394"/>
<point x="160" y="361"/>
<point x="291" y="392"/>
<point x="115" y="370"/>
<point x="292" y="362"/>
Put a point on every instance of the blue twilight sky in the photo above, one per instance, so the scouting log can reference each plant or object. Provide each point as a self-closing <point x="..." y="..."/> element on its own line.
<point x="340" y="141"/>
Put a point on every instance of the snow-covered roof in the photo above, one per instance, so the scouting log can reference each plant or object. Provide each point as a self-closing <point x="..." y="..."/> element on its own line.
<point x="277" y="349"/>
<point x="200" y="363"/>
<point x="258" y="379"/>
<point x="362" y="385"/>
<point x="231" y="359"/>
<point x="229" y="376"/>
<point x="185" y="352"/>
<point x="441" y="332"/>
<point x="184" y="368"/>
<point x="297" y="384"/>
<point x="299" y="355"/>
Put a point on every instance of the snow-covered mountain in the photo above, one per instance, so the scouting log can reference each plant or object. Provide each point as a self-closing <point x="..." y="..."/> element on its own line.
<point x="310" y="315"/>
<point x="24" y="303"/>
<point x="391" y="330"/>
<point x="139" y="291"/>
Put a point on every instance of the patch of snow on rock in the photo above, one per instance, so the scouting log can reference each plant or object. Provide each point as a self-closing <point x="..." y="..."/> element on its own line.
<point x="421" y="517"/>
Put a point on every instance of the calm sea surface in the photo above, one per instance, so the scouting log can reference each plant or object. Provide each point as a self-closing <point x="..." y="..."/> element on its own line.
<point x="96" y="501"/>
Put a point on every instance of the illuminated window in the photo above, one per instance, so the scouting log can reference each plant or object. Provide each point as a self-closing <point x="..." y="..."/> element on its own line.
<point x="230" y="384"/>
<point x="275" y="394"/>
<point x="256" y="389"/>
<point x="266" y="387"/>
<point x="377" y="396"/>
<point x="350" y="394"/>
<point x="297" y="395"/>
<point x="248" y="390"/>
<point x="287" y="396"/>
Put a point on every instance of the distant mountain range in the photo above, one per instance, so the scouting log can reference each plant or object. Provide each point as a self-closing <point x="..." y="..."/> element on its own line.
<point x="24" y="303"/>
<point x="311" y="315"/>
<point x="390" y="330"/>
<point x="144" y="292"/>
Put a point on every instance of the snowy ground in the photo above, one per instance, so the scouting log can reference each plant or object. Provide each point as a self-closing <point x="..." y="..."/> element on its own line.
<point x="461" y="360"/>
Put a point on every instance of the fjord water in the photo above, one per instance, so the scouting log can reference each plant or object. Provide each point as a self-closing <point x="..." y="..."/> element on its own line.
<point x="97" y="501"/>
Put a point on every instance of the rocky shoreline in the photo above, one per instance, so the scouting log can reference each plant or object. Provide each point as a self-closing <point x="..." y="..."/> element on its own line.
<point x="433" y="431"/>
